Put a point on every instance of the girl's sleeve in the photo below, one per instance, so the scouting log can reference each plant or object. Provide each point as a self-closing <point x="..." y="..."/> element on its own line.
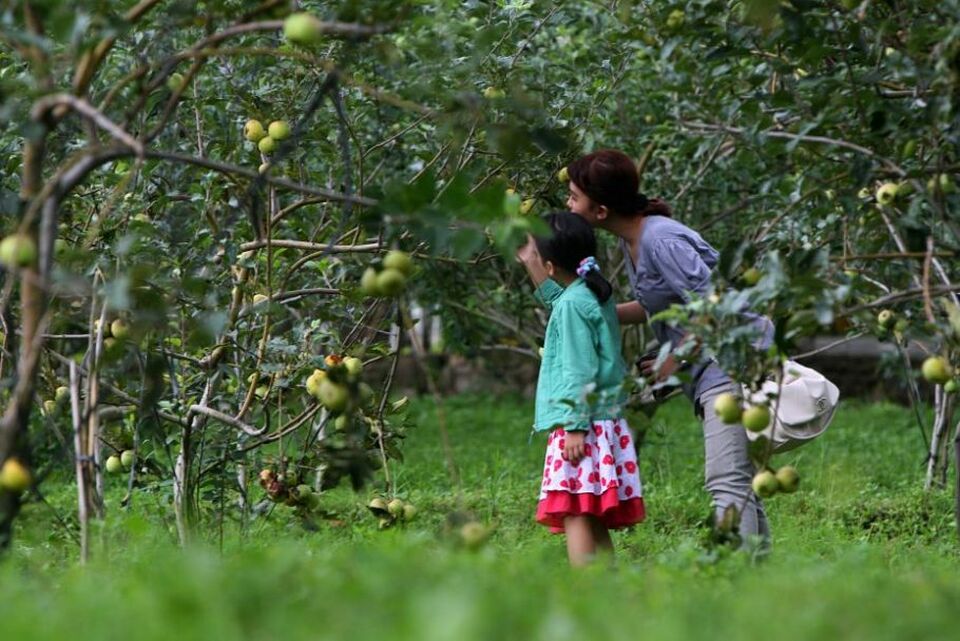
<point x="579" y="363"/>
<point x="548" y="292"/>
<point x="682" y="267"/>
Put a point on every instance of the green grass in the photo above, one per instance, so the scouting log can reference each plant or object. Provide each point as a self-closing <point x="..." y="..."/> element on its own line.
<point x="860" y="552"/>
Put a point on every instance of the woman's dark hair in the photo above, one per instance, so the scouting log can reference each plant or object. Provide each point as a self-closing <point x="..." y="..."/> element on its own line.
<point x="609" y="177"/>
<point x="573" y="240"/>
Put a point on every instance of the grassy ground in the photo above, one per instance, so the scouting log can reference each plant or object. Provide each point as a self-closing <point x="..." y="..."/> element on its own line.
<point x="860" y="553"/>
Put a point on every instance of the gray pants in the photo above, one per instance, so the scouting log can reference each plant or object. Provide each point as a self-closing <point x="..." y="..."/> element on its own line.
<point x="728" y="471"/>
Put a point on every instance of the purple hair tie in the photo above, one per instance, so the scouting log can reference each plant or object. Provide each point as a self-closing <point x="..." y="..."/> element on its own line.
<point x="587" y="265"/>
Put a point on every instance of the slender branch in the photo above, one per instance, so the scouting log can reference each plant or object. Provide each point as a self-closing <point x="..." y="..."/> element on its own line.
<point x="46" y="104"/>
<point x="695" y="127"/>
<point x="899" y="297"/>
<point x="227" y="168"/>
<point x="229" y="420"/>
<point x="308" y="246"/>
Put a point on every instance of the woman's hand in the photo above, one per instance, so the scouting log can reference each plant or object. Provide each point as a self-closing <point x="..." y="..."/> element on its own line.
<point x="529" y="257"/>
<point x="573" y="450"/>
<point x="668" y="367"/>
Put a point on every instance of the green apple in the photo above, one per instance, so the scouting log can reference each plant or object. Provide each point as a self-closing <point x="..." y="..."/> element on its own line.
<point x="788" y="479"/>
<point x="18" y="250"/>
<point x="395" y="507"/>
<point x="313" y="382"/>
<point x="302" y="491"/>
<point x="676" y="19"/>
<point x="887" y="193"/>
<point x="391" y="282"/>
<point x="398" y="260"/>
<point x="279" y="130"/>
<point x="62" y="394"/>
<point x="864" y="194"/>
<point x="909" y="148"/>
<point x="752" y="276"/>
<point x="49" y="407"/>
<point x="335" y="397"/>
<point x="830" y="194"/>
<point x="494" y="93"/>
<point x="409" y="511"/>
<point x="14" y="476"/>
<point x="765" y="484"/>
<point x="756" y="418"/>
<point x="368" y="282"/>
<point x="254" y="131"/>
<point x="111" y="345"/>
<point x="936" y="370"/>
<point x="114" y="465"/>
<point x="378" y="506"/>
<point x="366" y="393"/>
<point x="951" y="386"/>
<point x="727" y="407"/>
<point x="886" y="318"/>
<point x="119" y="329"/>
<point x="267" y="144"/>
<point x="302" y="29"/>
<point x="175" y="82"/>
<point x="527" y="205"/>
<point x="353" y="365"/>
<point x="341" y="423"/>
<point x="473" y="534"/>
<point x="127" y="458"/>
<point x="946" y="184"/>
<point x="563" y="175"/>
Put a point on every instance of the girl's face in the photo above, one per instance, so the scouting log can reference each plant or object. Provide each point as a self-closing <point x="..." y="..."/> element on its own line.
<point x="580" y="204"/>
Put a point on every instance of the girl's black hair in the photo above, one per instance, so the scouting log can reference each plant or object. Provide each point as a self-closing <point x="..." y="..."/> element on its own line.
<point x="573" y="240"/>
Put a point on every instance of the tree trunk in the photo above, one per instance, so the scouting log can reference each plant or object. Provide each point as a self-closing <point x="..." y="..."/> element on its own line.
<point x="956" y="490"/>
<point x="938" y="458"/>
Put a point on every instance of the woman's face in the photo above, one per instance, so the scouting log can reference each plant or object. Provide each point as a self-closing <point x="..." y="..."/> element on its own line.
<point x="580" y="204"/>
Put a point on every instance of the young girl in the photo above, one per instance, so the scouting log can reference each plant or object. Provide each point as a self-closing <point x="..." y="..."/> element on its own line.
<point x="591" y="482"/>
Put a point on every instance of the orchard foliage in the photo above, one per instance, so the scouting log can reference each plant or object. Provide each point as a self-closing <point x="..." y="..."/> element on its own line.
<point x="769" y="126"/>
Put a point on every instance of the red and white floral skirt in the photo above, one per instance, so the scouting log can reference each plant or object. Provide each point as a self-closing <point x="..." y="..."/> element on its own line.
<point x="605" y="483"/>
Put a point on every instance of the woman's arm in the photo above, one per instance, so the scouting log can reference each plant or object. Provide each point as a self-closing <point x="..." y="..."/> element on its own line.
<point x="631" y="313"/>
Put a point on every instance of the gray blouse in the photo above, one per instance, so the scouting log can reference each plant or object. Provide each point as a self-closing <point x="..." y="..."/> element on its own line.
<point x="673" y="262"/>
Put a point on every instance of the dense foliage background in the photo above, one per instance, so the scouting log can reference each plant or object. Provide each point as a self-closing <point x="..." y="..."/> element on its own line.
<point x="768" y="126"/>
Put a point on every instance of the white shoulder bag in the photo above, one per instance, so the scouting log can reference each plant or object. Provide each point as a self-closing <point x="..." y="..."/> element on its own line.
<point x="806" y="404"/>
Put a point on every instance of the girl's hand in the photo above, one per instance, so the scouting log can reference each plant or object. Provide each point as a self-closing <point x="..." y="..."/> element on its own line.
<point x="573" y="447"/>
<point x="529" y="257"/>
<point x="528" y="253"/>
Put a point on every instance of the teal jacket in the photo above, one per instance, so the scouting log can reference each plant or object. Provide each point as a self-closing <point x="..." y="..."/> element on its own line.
<point x="582" y="370"/>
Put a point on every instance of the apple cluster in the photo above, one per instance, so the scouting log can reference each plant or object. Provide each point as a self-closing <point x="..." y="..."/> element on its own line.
<point x="285" y="488"/>
<point x="389" y="513"/>
<point x="116" y="464"/>
<point x="755" y="418"/>
<point x="392" y="279"/>
<point x="338" y="385"/>
<point x="766" y="483"/>
<point x="267" y="138"/>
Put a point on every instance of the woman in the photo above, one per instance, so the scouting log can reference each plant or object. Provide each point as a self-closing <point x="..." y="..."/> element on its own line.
<point x="668" y="261"/>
